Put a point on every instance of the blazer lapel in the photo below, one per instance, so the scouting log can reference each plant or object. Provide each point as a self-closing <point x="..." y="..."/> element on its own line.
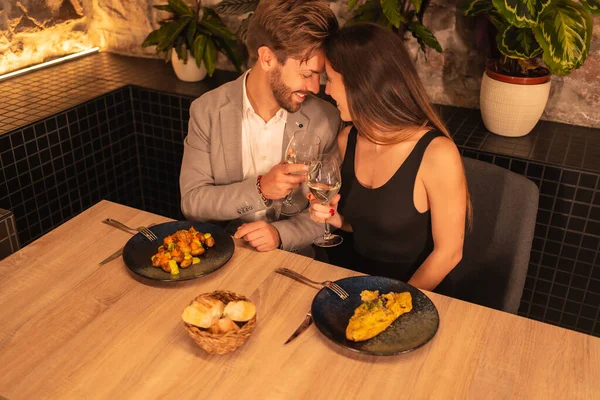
<point x="231" y="131"/>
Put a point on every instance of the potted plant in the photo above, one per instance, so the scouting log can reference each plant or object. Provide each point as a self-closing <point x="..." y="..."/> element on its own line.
<point x="238" y="7"/>
<point x="194" y="34"/>
<point x="399" y="16"/>
<point x="535" y="38"/>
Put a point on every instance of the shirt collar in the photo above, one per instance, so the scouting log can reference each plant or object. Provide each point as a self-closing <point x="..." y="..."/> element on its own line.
<point x="249" y="110"/>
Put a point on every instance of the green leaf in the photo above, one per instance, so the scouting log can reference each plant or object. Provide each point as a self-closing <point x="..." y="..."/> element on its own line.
<point x="518" y="43"/>
<point x="210" y="57"/>
<point x="352" y="4"/>
<point x="476" y="7"/>
<point x="592" y="6"/>
<point x="232" y="49"/>
<point x="167" y="52"/>
<point x="152" y="39"/>
<point x="190" y="33"/>
<point x="522" y="13"/>
<point x="421" y="12"/>
<point x="181" y="49"/>
<point x="384" y="22"/>
<point x="181" y="8"/>
<point x="368" y="12"/>
<point x="236" y="7"/>
<point x="417" y="4"/>
<point x="392" y="12"/>
<point x="199" y="48"/>
<point x="171" y="31"/>
<point x="564" y="32"/>
<point x="424" y="36"/>
<point x="165" y="7"/>
<point x="497" y="19"/>
<point x="215" y="26"/>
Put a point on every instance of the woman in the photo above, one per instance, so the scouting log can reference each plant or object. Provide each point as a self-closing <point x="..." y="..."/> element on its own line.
<point x="404" y="194"/>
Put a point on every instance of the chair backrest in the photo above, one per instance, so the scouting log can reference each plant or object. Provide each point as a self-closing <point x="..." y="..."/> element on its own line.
<point x="497" y="249"/>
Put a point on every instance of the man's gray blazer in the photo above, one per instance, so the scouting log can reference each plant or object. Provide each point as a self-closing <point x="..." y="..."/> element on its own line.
<point x="211" y="181"/>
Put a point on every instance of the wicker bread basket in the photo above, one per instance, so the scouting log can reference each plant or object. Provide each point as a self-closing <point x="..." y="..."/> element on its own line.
<point x="224" y="342"/>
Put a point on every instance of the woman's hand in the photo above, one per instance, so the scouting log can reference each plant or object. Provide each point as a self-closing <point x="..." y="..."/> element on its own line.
<point x="320" y="213"/>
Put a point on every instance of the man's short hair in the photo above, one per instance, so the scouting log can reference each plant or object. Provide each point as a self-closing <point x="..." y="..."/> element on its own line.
<point x="295" y="28"/>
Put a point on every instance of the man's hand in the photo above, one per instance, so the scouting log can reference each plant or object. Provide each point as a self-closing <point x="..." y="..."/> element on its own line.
<point x="260" y="234"/>
<point x="278" y="182"/>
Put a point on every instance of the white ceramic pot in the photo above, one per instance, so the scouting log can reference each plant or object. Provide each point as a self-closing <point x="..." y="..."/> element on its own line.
<point x="510" y="109"/>
<point x="189" y="71"/>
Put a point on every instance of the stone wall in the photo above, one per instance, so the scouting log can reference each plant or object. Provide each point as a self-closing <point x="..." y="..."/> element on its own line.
<point x="32" y="31"/>
<point x="121" y="26"/>
<point x="451" y="78"/>
<point x="454" y="77"/>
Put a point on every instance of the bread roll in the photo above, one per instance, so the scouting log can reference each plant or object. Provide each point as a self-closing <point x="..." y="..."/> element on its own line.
<point x="203" y="312"/>
<point x="223" y="325"/>
<point x="240" y="311"/>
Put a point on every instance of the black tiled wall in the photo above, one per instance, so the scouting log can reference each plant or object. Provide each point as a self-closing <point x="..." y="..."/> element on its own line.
<point x="563" y="279"/>
<point x="9" y="241"/>
<point x="550" y="143"/>
<point x="127" y="147"/>
<point x="161" y="125"/>
<point x="56" y="168"/>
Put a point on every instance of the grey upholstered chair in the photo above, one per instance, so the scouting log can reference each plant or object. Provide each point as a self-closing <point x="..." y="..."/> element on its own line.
<point x="496" y="252"/>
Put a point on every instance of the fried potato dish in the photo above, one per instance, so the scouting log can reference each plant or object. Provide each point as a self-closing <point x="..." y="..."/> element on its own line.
<point x="182" y="249"/>
<point x="376" y="313"/>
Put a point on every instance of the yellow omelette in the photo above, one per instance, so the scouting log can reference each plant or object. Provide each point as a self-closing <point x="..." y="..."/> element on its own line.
<point x="376" y="313"/>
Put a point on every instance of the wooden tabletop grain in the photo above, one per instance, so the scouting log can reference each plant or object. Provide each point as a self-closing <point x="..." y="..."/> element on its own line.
<point x="72" y="329"/>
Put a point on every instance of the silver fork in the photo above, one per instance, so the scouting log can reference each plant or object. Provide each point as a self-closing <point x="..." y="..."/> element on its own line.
<point x="334" y="287"/>
<point x="148" y="234"/>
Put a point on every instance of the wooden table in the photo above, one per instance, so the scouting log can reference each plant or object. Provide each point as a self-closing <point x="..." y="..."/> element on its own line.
<point x="72" y="329"/>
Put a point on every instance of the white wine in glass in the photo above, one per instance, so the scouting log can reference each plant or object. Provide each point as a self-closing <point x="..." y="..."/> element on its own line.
<point x="300" y="158"/>
<point x="324" y="182"/>
<point x="304" y="148"/>
<point x="324" y="192"/>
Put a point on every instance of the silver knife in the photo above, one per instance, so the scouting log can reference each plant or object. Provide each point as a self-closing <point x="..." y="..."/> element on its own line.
<point x="112" y="256"/>
<point x="303" y="326"/>
<point x="116" y="253"/>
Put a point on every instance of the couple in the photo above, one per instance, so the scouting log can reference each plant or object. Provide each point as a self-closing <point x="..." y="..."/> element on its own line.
<point x="404" y="194"/>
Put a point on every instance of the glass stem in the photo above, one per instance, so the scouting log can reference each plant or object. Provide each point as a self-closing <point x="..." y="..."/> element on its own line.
<point x="288" y="199"/>
<point x="327" y="234"/>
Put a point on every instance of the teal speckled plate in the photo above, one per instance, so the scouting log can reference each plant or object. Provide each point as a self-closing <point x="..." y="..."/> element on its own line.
<point x="409" y="332"/>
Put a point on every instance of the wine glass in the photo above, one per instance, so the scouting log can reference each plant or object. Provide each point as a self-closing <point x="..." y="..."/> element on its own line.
<point x="324" y="182"/>
<point x="304" y="148"/>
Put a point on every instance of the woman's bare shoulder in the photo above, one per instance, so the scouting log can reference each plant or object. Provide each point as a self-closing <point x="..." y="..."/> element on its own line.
<point x="442" y="157"/>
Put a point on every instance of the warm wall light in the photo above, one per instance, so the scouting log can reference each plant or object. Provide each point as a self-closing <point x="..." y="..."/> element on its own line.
<point x="48" y="63"/>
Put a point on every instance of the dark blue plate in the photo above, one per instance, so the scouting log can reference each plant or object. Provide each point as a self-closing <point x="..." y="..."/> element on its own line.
<point x="410" y="331"/>
<point x="138" y="252"/>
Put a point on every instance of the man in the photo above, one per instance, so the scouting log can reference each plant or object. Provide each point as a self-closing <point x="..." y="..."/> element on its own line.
<point x="231" y="168"/>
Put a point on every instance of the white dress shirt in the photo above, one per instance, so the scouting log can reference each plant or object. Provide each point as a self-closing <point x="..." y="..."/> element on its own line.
<point x="261" y="149"/>
<point x="261" y="141"/>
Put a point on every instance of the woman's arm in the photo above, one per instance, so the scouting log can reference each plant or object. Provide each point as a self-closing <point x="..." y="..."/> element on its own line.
<point x="320" y="213"/>
<point x="443" y="176"/>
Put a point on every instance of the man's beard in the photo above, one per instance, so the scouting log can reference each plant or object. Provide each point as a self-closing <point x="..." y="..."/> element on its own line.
<point x="282" y="93"/>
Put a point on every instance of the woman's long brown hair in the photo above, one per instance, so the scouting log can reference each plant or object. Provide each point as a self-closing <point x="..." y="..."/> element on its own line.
<point x="386" y="99"/>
